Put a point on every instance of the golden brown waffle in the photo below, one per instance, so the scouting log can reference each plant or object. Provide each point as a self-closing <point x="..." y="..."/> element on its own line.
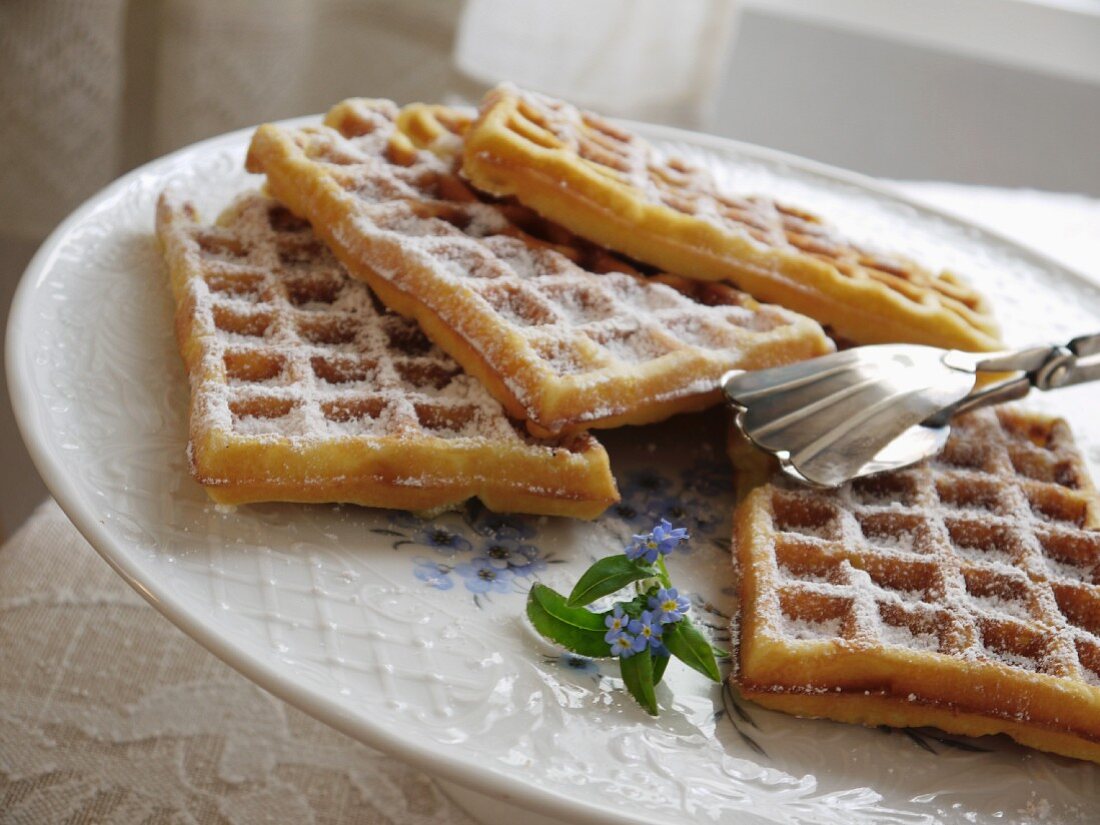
<point x="305" y="388"/>
<point x="962" y="593"/>
<point x="612" y="187"/>
<point x="559" y="341"/>
<point x="428" y="126"/>
<point x="439" y="129"/>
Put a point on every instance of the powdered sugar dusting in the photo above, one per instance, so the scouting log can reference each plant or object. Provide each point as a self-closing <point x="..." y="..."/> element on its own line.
<point x="805" y="576"/>
<point x="990" y="555"/>
<point x="295" y="351"/>
<point x="904" y="636"/>
<point x="903" y="542"/>
<point x="659" y="180"/>
<point x="814" y="531"/>
<point x="1067" y="570"/>
<point x="1010" y="658"/>
<point x="997" y="589"/>
<point x="537" y="305"/>
<point x="1017" y="608"/>
<point x="810" y="630"/>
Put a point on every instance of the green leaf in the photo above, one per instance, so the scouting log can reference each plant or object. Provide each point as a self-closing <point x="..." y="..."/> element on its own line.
<point x="606" y="576"/>
<point x="687" y="644"/>
<point x="637" y="673"/>
<point x="574" y="628"/>
<point x="659" y="665"/>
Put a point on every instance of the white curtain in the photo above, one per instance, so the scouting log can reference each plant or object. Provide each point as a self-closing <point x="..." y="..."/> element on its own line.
<point x="653" y="60"/>
<point x="89" y="88"/>
<point x="61" y="89"/>
<point x="228" y="62"/>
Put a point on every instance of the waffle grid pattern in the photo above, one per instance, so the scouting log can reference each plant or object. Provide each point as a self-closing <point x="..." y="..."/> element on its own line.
<point x="286" y="349"/>
<point x="523" y="129"/>
<point x="552" y="325"/>
<point x="985" y="556"/>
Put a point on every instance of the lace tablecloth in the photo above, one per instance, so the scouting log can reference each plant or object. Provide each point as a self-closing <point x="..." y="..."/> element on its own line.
<point x="110" y="714"/>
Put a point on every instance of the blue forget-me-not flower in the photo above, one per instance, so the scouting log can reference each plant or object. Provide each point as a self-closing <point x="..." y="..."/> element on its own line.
<point x="616" y="622"/>
<point x="625" y="645"/>
<point x="647" y="627"/>
<point x="661" y="541"/>
<point x="669" y="604"/>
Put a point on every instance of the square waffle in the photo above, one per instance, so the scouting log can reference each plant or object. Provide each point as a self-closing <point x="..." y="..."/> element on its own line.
<point x="305" y="388"/>
<point x="610" y="186"/>
<point x="555" y="338"/>
<point x="962" y="593"/>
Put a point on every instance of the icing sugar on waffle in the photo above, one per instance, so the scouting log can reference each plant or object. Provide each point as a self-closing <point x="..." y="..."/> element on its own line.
<point x="615" y="188"/>
<point x="285" y="349"/>
<point x="523" y="305"/>
<point x="625" y="157"/>
<point x="668" y="180"/>
<point x="327" y="347"/>
<point x="970" y="582"/>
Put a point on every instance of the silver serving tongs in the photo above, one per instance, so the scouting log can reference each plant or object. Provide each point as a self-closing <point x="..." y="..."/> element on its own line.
<point x="876" y="408"/>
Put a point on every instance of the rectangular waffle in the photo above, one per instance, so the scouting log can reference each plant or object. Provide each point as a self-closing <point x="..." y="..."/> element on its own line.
<point x="612" y="187"/>
<point x="962" y="593"/>
<point x="559" y="341"/>
<point x="305" y="388"/>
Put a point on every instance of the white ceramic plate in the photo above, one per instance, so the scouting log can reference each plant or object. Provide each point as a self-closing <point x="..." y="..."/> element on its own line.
<point x="380" y="625"/>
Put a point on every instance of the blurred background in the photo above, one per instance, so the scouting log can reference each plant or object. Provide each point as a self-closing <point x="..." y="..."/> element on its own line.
<point x="994" y="92"/>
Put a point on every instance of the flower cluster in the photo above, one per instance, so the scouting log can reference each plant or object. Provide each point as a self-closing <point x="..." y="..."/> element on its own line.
<point x="660" y="541"/>
<point x="632" y="632"/>
<point x="669" y="604"/>
<point x="628" y="636"/>
<point x="643" y="630"/>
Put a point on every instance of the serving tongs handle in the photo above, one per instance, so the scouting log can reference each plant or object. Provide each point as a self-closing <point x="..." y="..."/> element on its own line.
<point x="1043" y="368"/>
<point x="1086" y="368"/>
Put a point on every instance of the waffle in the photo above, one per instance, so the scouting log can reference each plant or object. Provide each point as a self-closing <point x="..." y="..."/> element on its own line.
<point x="305" y="388"/>
<point x="962" y="593"/>
<point x="612" y="187"/>
<point x="559" y="341"/>
<point x="440" y="129"/>
<point x="428" y="126"/>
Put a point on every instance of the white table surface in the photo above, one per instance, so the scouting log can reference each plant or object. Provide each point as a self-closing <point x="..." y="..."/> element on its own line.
<point x="110" y="714"/>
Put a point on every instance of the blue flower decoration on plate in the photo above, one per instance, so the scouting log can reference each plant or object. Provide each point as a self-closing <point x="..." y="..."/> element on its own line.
<point x="482" y="576"/>
<point x="433" y="573"/>
<point x="503" y="526"/>
<point x="521" y="559"/>
<point x="441" y="539"/>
